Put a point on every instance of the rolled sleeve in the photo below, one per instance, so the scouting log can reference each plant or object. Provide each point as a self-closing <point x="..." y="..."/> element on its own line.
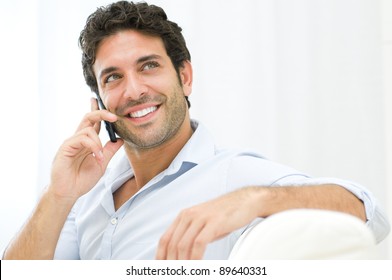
<point x="67" y="247"/>
<point x="376" y="217"/>
<point x="251" y="169"/>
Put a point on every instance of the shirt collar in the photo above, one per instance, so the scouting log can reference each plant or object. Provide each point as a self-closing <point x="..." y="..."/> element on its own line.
<point x="199" y="147"/>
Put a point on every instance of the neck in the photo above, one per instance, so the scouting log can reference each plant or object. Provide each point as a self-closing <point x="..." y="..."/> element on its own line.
<point x="147" y="163"/>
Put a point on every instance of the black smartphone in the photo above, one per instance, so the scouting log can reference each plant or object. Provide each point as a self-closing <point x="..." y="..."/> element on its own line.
<point x="109" y="126"/>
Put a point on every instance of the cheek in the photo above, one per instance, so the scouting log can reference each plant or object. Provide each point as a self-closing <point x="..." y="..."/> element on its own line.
<point x="109" y="100"/>
<point x="105" y="100"/>
<point x="163" y="84"/>
<point x="111" y="97"/>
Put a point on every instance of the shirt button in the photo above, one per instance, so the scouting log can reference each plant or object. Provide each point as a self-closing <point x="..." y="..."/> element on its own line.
<point x="113" y="221"/>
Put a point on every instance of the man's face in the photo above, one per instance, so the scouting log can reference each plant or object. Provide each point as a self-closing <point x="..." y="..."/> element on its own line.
<point x="137" y="81"/>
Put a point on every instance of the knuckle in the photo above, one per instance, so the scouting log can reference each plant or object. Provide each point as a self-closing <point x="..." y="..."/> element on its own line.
<point x="164" y="240"/>
<point x="88" y="116"/>
<point x="189" y="212"/>
<point x="199" y="242"/>
<point x="171" y="247"/>
<point x="182" y="246"/>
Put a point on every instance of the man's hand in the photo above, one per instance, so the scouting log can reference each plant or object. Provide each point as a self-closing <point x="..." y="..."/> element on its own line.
<point x="195" y="227"/>
<point x="79" y="164"/>
<point x="81" y="160"/>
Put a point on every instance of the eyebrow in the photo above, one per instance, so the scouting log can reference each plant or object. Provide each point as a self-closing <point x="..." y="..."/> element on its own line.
<point x="147" y="58"/>
<point x="138" y="61"/>
<point x="107" y="71"/>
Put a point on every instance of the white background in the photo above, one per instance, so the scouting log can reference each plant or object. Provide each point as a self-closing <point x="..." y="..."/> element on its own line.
<point x="306" y="83"/>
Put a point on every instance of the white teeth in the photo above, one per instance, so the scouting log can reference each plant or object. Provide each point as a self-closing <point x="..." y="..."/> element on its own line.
<point x="142" y="113"/>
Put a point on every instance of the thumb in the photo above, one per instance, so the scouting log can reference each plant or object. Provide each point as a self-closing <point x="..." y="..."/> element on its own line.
<point x="110" y="149"/>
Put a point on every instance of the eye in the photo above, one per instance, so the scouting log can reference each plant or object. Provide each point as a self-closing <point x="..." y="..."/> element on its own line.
<point x="112" y="78"/>
<point x="150" y="65"/>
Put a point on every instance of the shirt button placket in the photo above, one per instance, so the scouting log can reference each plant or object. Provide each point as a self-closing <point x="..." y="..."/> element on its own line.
<point x="114" y="220"/>
<point x="108" y="238"/>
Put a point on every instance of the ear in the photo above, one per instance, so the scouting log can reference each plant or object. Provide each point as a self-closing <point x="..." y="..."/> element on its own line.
<point x="186" y="75"/>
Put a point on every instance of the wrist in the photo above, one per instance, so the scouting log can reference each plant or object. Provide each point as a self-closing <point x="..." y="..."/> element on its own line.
<point x="52" y="194"/>
<point x="266" y="201"/>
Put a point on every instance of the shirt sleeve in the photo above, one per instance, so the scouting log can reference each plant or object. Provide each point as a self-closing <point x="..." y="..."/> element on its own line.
<point x="246" y="170"/>
<point x="67" y="247"/>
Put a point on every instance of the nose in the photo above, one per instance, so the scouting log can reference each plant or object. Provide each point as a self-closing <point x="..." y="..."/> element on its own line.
<point x="135" y="87"/>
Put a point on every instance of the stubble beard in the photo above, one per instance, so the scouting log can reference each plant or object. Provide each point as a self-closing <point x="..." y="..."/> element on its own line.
<point x="149" y="136"/>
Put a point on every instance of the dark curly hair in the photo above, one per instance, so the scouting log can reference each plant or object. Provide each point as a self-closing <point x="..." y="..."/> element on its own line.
<point x="122" y="15"/>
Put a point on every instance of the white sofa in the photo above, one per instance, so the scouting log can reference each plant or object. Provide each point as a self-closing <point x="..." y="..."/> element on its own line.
<point x="306" y="234"/>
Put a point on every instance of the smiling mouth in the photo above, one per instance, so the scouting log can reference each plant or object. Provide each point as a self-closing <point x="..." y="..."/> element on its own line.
<point x="143" y="113"/>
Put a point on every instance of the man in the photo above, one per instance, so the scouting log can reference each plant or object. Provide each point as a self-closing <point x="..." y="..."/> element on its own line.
<point x="173" y="194"/>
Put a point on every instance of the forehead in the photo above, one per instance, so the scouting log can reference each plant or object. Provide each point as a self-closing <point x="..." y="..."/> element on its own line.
<point x="129" y="45"/>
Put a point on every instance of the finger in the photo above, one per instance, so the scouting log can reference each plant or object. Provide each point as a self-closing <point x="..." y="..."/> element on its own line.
<point x="94" y="106"/>
<point x="176" y="236"/>
<point x="165" y="240"/>
<point x="185" y="245"/>
<point x="111" y="149"/>
<point x="177" y="242"/>
<point x="206" y="235"/>
<point x="82" y="143"/>
<point x="92" y="134"/>
<point x="93" y="143"/>
<point x="94" y="117"/>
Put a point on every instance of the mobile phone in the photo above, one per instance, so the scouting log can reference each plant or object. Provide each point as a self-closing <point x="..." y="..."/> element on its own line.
<point x="109" y="126"/>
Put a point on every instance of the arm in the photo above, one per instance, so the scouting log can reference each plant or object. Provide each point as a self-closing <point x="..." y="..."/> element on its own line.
<point x="38" y="237"/>
<point x="195" y="227"/>
<point x="327" y="197"/>
<point x="79" y="164"/>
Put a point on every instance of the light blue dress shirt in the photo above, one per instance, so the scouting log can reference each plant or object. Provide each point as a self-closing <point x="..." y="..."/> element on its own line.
<point x="200" y="172"/>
